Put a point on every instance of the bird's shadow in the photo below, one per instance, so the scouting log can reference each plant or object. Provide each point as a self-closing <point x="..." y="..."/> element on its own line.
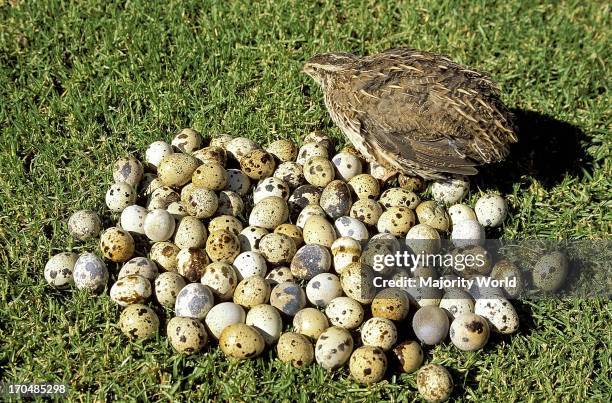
<point x="547" y="150"/>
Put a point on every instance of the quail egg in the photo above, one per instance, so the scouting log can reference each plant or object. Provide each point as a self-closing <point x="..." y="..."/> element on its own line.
<point x="296" y="349"/>
<point x="176" y="169"/>
<point x="222" y="246"/>
<point x="471" y="260"/>
<point x="398" y="197"/>
<point x="381" y="172"/>
<point x="131" y="289"/>
<point x="278" y="249"/>
<point x="310" y="322"/>
<point x="119" y="196"/>
<point x="367" y="211"/>
<point x="410" y="356"/>
<point x="457" y="302"/>
<point x="177" y="210"/>
<point x="162" y="197"/>
<point x="165" y="255"/>
<point x="252" y="291"/>
<point x="317" y="230"/>
<point x="334" y="347"/>
<point x="461" y="212"/>
<point x="345" y="251"/>
<point x="227" y="223"/>
<point x="202" y="203"/>
<point x="412" y="183"/>
<point x="250" y="237"/>
<point x="292" y="231"/>
<point x="190" y="233"/>
<point x="220" y="140"/>
<point x="84" y="225"/>
<point x="223" y="315"/>
<point x="240" y="146"/>
<point x="379" y="332"/>
<point x="434" y="383"/>
<point x="430" y="325"/>
<point x="90" y="273"/>
<point x="550" y="271"/>
<point x="230" y="203"/>
<point x="306" y="213"/>
<point x="375" y="251"/>
<point x="309" y="261"/>
<point x="345" y="312"/>
<point x="347" y="166"/>
<point x="250" y="263"/>
<point x="241" y="341"/>
<point x="279" y="275"/>
<point x="133" y="217"/>
<point x="139" y="322"/>
<point x="396" y="221"/>
<point x="186" y="335"/>
<point x="466" y="233"/>
<point x="284" y="150"/>
<point x="149" y="183"/>
<point x="269" y="213"/>
<point x="194" y="301"/>
<point x="191" y="263"/>
<point x="288" y="298"/>
<point x="257" y="164"/>
<point x="506" y="271"/>
<point x="187" y="141"/>
<point x="391" y="303"/>
<point x="423" y="239"/>
<point x="117" y="245"/>
<point x="491" y="210"/>
<point x="499" y="313"/>
<point x="58" y="270"/>
<point x="291" y="173"/>
<point x="221" y="278"/>
<point x="357" y="282"/>
<point x="365" y="186"/>
<point x="322" y="288"/>
<point x="128" y="170"/>
<point x="431" y="213"/>
<point x="211" y="154"/>
<point x="318" y="171"/>
<point x="303" y="196"/>
<point x="210" y="175"/>
<point x="352" y="228"/>
<point x="266" y="319"/>
<point x="311" y="150"/>
<point x="368" y="364"/>
<point x="156" y="151"/>
<point x="336" y="199"/>
<point x="159" y="225"/>
<point x="317" y="137"/>
<point x="451" y="190"/>
<point x="167" y="287"/>
<point x="469" y="332"/>
<point x="270" y="187"/>
<point x="238" y="182"/>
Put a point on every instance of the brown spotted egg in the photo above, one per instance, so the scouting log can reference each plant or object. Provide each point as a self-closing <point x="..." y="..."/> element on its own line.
<point x="291" y="173"/>
<point x="222" y="246"/>
<point x="304" y="196"/>
<point x="221" y="278"/>
<point x="334" y="347"/>
<point x="187" y="141"/>
<point x="230" y="203"/>
<point x="433" y="214"/>
<point x="507" y="271"/>
<point x="270" y="187"/>
<point x="345" y="250"/>
<point x="450" y="190"/>
<point x="210" y="175"/>
<point x="211" y="154"/>
<point x="162" y="197"/>
<point x="292" y="231"/>
<point x="311" y="150"/>
<point x="368" y="364"/>
<point x="90" y="273"/>
<point x="367" y="211"/>
<point x="119" y="196"/>
<point x="128" y="170"/>
<point x="238" y="182"/>
<point x="269" y="213"/>
<point x="345" y="312"/>
<point x="365" y="186"/>
<point x="499" y="313"/>
<point x="116" y="244"/>
<point x="240" y="146"/>
<point x="461" y="212"/>
<point x="191" y="263"/>
<point x="379" y="332"/>
<point x="398" y="197"/>
<point x="84" y="225"/>
<point x="202" y="203"/>
<point x="241" y="341"/>
<point x="250" y="237"/>
<point x="491" y="210"/>
<point x="317" y="230"/>
<point x="310" y="260"/>
<point x="284" y="150"/>
<point x="409" y="355"/>
<point x="423" y="239"/>
<point x="412" y="183"/>
<point x="220" y="140"/>
<point x="278" y="249"/>
<point x="469" y="332"/>
<point x="279" y="275"/>
<point x="434" y="383"/>
<point x="396" y="221"/>
<point x="165" y="255"/>
<point x="352" y="228"/>
<point x="296" y="349"/>
<point x="319" y="171"/>
<point x="257" y="164"/>
<point x="358" y="282"/>
<point x="322" y="288"/>
<point x="336" y="199"/>
<point x="131" y="289"/>
<point x="457" y="302"/>
<point x="391" y="303"/>
<point x="176" y="169"/>
<point x="306" y="213"/>
<point x="227" y="223"/>
<point x="190" y="233"/>
<point x="167" y="287"/>
<point x="550" y="271"/>
<point x="58" y="270"/>
<point x="139" y="322"/>
<point x="288" y="298"/>
<point x="252" y="291"/>
<point x="186" y="335"/>
<point x="347" y="166"/>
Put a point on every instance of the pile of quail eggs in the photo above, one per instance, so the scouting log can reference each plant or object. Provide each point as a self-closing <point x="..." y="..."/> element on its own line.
<point x="257" y="248"/>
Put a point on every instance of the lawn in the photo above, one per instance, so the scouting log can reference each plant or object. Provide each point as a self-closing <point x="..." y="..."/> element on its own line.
<point x="83" y="83"/>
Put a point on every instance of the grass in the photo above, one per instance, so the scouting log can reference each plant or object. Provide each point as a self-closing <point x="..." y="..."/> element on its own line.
<point x="84" y="83"/>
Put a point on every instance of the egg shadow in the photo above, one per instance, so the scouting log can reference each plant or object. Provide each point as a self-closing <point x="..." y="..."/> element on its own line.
<point x="547" y="150"/>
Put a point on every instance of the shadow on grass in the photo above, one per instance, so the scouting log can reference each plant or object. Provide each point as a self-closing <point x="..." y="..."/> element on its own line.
<point x="547" y="150"/>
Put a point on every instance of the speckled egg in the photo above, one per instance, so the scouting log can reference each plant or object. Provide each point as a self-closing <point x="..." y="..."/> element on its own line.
<point x="322" y="288"/>
<point x="423" y="294"/>
<point x="250" y="263"/>
<point x="466" y="233"/>
<point x="368" y="364"/>
<point x="149" y="183"/>
<point x="306" y="213"/>
<point x="430" y="325"/>
<point x="423" y="239"/>
<point x="90" y="273"/>
<point x="291" y="173"/>
<point x="500" y="314"/>
<point x="252" y="291"/>
<point x="139" y="322"/>
<point x="398" y="197"/>
<point x="116" y="244"/>
<point x="506" y="271"/>
<point x="257" y="164"/>
<point x="241" y="341"/>
<point x="220" y="140"/>
<point x="167" y="287"/>
<point x="367" y="211"/>
<point x="191" y="263"/>
<point x="317" y="230"/>
<point x="318" y="171"/>
<point x="469" y="332"/>
<point x="379" y="332"/>
<point x="491" y="210"/>
<point x="119" y="196"/>
<point x="284" y="150"/>
<point x="304" y="196"/>
<point x="357" y="282"/>
<point x="187" y="141"/>
<point x="269" y="213"/>
<point x="461" y="212"/>
<point x="278" y="249"/>
<point x="223" y="315"/>
<point x="433" y="214"/>
<point x="240" y="146"/>
<point x="165" y="255"/>
<point x="279" y="275"/>
<point x="347" y="166"/>
<point x="186" y="335"/>
<point x="457" y="302"/>
<point x="312" y="150"/>
<point x="162" y="197"/>
<point x="345" y="251"/>
<point x="156" y="151"/>
<point x="309" y="261"/>
<point x="396" y="221"/>
<point x="202" y="203"/>
<point x="193" y="301"/>
<point x="227" y="223"/>
<point x="177" y="210"/>
<point x="412" y="183"/>
<point x="128" y="170"/>
<point x="266" y="319"/>
<point x="336" y="199"/>
<point x="210" y="175"/>
<point x="296" y="349"/>
<point x="221" y="278"/>
<point x="270" y="187"/>
<point x="352" y="228"/>
<point x="365" y="186"/>
<point x="250" y="237"/>
<point x="132" y="218"/>
<point x="334" y="347"/>
<point x="176" y="169"/>
<point x="451" y="190"/>
<point x="238" y="182"/>
<point x="391" y="303"/>
<point x="222" y="246"/>
<point x="211" y="154"/>
<point x="159" y="225"/>
<point x="550" y="271"/>
<point x="434" y="383"/>
<point x="310" y="322"/>
<point x="190" y="233"/>
<point x="59" y="268"/>
<point x="292" y="231"/>
<point x="345" y="312"/>
<point x="380" y="245"/>
<point x="288" y="298"/>
<point x="471" y="261"/>
<point x="230" y="203"/>
<point x="131" y="289"/>
<point x="381" y="172"/>
<point x="84" y="224"/>
<point x="409" y="354"/>
<point x="319" y="137"/>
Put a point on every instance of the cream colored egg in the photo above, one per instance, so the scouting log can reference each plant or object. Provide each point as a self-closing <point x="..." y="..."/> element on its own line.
<point x="223" y="315"/>
<point x="295" y="349"/>
<point x="131" y="289"/>
<point x="167" y="287"/>
<point x="186" y="335"/>
<point x="165" y="255"/>
<point x="159" y="225"/>
<point x="187" y="141"/>
<point x="190" y="233"/>
<point x="176" y="169"/>
<point x="191" y="263"/>
<point x="221" y="278"/>
<point x="310" y="322"/>
<point x="267" y="320"/>
<point x="252" y="291"/>
<point x="333" y="348"/>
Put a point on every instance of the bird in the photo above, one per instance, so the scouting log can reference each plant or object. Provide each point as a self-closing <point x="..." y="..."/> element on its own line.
<point x="415" y="112"/>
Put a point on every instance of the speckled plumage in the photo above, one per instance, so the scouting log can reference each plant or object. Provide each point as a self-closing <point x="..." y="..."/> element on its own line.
<point x="415" y="112"/>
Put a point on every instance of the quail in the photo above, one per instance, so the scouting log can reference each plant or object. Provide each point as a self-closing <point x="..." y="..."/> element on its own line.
<point x="415" y="112"/>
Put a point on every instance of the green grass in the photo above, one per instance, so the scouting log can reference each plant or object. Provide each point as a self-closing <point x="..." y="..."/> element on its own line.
<point x="81" y="85"/>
